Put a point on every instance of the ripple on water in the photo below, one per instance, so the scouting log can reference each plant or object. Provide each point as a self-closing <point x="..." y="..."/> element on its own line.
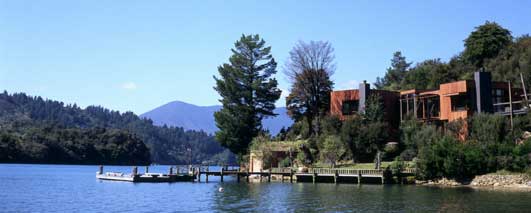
<point x="62" y="188"/>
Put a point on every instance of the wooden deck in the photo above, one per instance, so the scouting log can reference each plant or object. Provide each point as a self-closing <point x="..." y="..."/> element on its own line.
<point x="315" y="174"/>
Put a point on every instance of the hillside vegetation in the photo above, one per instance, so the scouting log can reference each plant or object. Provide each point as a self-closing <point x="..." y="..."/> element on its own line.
<point x="46" y="131"/>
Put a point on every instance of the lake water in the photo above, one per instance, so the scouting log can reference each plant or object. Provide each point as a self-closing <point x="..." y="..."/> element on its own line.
<point x="73" y="188"/>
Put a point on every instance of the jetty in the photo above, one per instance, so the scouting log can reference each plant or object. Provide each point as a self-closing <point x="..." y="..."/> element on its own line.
<point x="335" y="175"/>
<point x="180" y="175"/>
<point x="314" y="175"/>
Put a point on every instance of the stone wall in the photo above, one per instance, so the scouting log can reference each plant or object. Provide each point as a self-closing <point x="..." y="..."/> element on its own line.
<point x="489" y="180"/>
<point x="501" y="180"/>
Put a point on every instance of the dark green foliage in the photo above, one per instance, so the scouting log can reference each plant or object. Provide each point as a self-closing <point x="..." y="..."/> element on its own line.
<point x="51" y="144"/>
<point x="167" y="145"/>
<point x="248" y="93"/>
<point x="428" y="75"/>
<point x="332" y="149"/>
<point x="395" y="74"/>
<point x="486" y="42"/>
<point x="512" y="61"/>
<point x="488" y="128"/>
<point x="330" y="125"/>
<point x="490" y="46"/>
<point x="366" y="134"/>
<point x="489" y="148"/>
<point x="414" y="135"/>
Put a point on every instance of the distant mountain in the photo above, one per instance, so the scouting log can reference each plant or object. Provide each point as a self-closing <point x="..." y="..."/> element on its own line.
<point x="193" y="117"/>
<point x="36" y="130"/>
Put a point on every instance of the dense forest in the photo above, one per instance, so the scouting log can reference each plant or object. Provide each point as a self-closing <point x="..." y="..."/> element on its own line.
<point x="36" y="130"/>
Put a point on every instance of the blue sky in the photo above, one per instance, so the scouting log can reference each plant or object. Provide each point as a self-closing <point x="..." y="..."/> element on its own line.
<point x="137" y="55"/>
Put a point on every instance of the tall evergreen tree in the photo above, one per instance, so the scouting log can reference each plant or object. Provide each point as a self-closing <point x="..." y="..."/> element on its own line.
<point x="248" y="93"/>
<point x="395" y="74"/>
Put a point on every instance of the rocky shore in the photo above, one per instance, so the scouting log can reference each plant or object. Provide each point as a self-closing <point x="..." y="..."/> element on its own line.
<point x="488" y="180"/>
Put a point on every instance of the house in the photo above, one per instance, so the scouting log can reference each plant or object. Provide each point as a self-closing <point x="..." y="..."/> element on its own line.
<point x="450" y="102"/>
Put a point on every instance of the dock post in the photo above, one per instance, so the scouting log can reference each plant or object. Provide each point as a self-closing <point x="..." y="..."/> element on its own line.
<point x="221" y="174"/>
<point x="171" y="170"/>
<point x="359" y="177"/>
<point x="336" y="175"/>
<point x="147" y="169"/>
<point x="101" y="170"/>
<point x="290" y="175"/>
<point x="238" y="177"/>
<point x="314" y="176"/>
<point x="269" y="176"/>
<point x="247" y="176"/>
<point x="206" y="174"/>
<point x="199" y="174"/>
<point x="135" y="170"/>
<point x="261" y="175"/>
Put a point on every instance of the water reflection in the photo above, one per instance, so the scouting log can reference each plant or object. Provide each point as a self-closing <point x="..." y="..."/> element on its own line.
<point x="59" y="188"/>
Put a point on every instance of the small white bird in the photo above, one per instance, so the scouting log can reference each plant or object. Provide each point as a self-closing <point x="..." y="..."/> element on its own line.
<point x="221" y="189"/>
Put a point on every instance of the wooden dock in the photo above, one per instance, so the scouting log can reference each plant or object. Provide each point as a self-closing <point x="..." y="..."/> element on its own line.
<point x="180" y="175"/>
<point x="313" y="174"/>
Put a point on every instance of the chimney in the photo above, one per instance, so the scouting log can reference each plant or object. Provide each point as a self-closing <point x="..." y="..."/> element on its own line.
<point x="364" y="91"/>
<point x="483" y="81"/>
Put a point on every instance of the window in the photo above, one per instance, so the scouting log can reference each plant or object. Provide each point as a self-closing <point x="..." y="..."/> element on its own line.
<point x="350" y="107"/>
<point x="459" y="103"/>
<point x="499" y="96"/>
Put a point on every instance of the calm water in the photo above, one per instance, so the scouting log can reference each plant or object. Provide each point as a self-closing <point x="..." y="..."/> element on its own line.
<point x="62" y="188"/>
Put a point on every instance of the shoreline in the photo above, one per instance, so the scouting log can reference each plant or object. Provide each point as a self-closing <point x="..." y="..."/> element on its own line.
<point x="509" y="182"/>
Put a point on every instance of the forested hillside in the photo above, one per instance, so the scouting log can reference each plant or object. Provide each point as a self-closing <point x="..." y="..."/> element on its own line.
<point x="38" y="130"/>
<point x="490" y="47"/>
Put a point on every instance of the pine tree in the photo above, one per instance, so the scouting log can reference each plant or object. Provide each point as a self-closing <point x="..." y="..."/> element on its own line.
<point x="248" y="93"/>
<point x="395" y="74"/>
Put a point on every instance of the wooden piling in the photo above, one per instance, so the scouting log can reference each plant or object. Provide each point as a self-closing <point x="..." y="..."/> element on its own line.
<point x="314" y="176"/>
<point x="261" y="175"/>
<point x="291" y="176"/>
<point x="336" y="176"/>
<point x="238" y="177"/>
<point x="135" y="170"/>
<point x="100" y="170"/>
<point x="247" y="176"/>
<point x="359" y="177"/>
<point x="269" y="176"/>
<point x="206" y="175"/>
<point x="221" y="173"/>
<point x="199" y="174"/>
<point x="171" y="170"/>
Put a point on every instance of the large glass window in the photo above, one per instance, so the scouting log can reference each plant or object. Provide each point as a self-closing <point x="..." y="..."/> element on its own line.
<point x="459" y="102"/>
<point x="350" y="107"/>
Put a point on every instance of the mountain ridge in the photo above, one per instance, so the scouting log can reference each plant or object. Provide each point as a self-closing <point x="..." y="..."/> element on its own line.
<point x="194" y="117"/>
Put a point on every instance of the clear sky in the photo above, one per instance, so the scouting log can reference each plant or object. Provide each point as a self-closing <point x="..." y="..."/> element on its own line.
<point x="137" y="55"/>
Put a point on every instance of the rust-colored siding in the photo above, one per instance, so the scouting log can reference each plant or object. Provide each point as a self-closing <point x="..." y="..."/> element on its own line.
<point x="389" y="99"/>
<point x="446" y="91"/>
<point x="337" y="98"/>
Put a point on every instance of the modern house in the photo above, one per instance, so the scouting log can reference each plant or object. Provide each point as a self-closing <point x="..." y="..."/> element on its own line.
<point x="450" y="102"/>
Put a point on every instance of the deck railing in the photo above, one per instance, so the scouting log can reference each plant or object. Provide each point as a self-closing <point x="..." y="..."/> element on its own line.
<point x="347" y="171"/>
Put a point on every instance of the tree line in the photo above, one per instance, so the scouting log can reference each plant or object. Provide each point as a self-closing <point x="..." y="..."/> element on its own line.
<point x="47" y="125"/>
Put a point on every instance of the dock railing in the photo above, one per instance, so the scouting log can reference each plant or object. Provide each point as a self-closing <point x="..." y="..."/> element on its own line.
<point x="348" y="171"/>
